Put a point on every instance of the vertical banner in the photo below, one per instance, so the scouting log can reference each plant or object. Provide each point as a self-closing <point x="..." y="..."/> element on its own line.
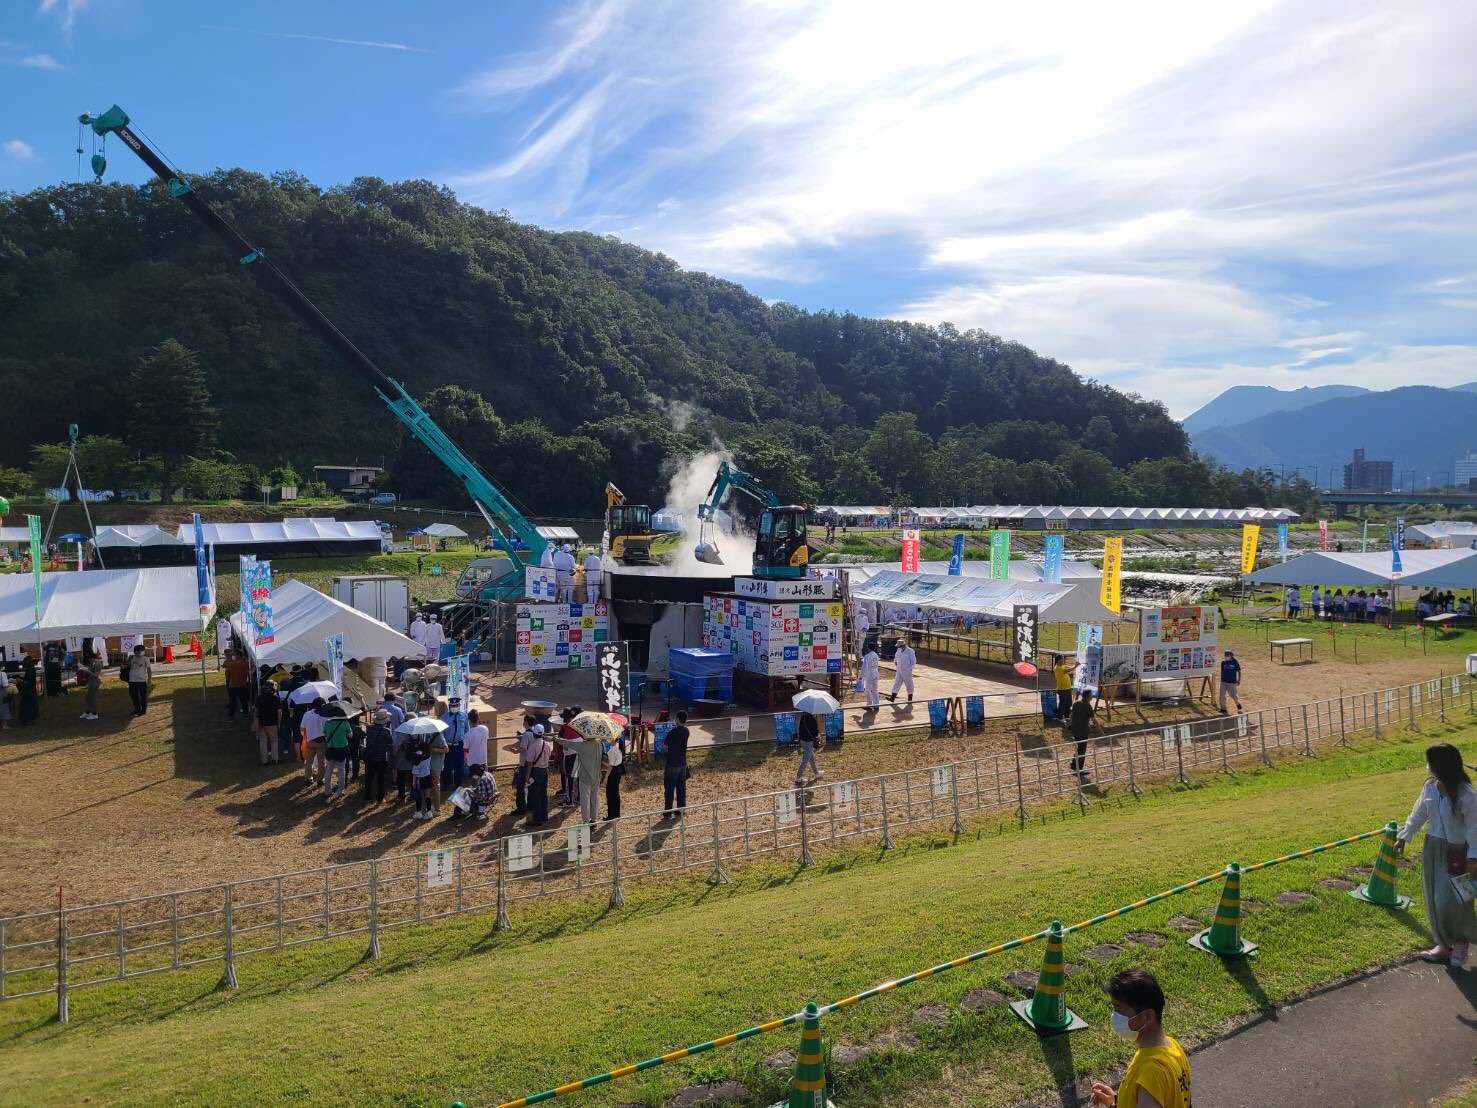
<point x="202" y="570"/>
<point x="956" y="559"/>
<point x="1396" y="569"/>
<point x="458" y="678"/>
<point x="333" y="652"/>
<point x="614" y="669"/>
<point x="1089" y="657"/>
<point x="1109" y="594"/>
<point x="1323" y="534"/>
<point x="910" y="552"/>
<point x="1251" y="534"/>
<point x="1399" y="532"/>
<point x="33" y="523"/>
<point x="260" y="598"/>
<point x="999" y="555"/>
<point x="248" y="568"/>
<point x="1282" y="542"/>
<point x="1364" y="541"/>
<point x="1023" y="633"/>
<point x="210" y="570"/>
<point x="1051" y="561"/>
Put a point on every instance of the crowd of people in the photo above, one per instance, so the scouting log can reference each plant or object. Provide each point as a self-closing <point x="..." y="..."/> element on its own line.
<point x="1370" y="605"/>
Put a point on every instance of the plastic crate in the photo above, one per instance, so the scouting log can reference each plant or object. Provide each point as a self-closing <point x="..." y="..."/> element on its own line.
<point x="701" y="673"/>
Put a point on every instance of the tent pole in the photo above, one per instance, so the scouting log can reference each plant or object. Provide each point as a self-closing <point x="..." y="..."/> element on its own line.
<point x="204" y="696"/>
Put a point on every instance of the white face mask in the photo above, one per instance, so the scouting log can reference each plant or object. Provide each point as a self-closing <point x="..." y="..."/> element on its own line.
<point x="1119" y="1023"/>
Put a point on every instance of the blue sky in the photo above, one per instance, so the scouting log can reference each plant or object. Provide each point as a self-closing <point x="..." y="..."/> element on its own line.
<point x="1173" y="198"/>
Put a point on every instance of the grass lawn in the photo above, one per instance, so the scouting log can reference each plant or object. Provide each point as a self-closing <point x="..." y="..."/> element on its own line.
<point x="457" y="1012"/>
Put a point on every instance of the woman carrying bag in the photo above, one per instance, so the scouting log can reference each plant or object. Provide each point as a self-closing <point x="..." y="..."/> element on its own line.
<point x="1447" y="808"/>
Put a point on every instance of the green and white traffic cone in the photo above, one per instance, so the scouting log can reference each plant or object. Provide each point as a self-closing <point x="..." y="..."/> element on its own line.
<point x="1380" y="888"/>
<point x="808" y="1086"/>
<point x="1223" y="936"/>
<point x="1047" y="1009"/>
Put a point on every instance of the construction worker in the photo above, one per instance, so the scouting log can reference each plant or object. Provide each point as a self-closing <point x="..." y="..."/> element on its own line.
<point x="564" y="571"/>
<point x="546" y="559"/>
<point x="905" y="659"/>
<point x="863" y="623"/>
<point x="433" y="637"/>
<point x="418" y="628"/>
<point x="592" y="576"/>
<point x="866" y="682"/>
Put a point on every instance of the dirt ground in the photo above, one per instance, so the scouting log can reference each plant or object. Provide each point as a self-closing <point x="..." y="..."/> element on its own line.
<point x="175" y="800"/>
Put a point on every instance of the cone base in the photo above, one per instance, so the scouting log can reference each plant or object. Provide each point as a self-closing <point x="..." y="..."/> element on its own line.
<point x="1362" y="893"/>
<point x="1200" y="942"/>
<point x="1022" y="1008"/>
<point x="786" y="1104"/>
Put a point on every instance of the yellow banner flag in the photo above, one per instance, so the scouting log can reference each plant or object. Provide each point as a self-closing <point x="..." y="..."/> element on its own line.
<point x="1109" y="596"/>
<point x="1251" y="534"/>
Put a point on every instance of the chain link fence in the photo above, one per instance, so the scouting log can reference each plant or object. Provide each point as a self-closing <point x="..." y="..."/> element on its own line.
<point x="58" y="951"/>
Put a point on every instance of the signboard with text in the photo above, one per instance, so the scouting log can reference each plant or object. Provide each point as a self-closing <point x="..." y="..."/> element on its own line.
<point x="1179" y="642"/>
<point x="560" y="636"/>
<point x="775" y="638"/>
<point x="817" y="588"/>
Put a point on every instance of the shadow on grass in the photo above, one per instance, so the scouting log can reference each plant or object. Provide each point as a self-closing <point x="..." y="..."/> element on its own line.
<point x="1056" y="1052"/>
<point x="1242" y="972"/>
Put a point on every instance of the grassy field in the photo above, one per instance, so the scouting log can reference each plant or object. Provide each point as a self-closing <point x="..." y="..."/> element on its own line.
<point x="457" y="1012"/>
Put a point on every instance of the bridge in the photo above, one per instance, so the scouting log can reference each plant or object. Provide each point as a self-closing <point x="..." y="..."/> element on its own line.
<point x="1341" y="502"/>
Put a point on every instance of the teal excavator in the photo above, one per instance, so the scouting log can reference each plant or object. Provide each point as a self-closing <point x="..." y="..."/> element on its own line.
<point x="491" y="579"/>
<point x="780" y="552"/>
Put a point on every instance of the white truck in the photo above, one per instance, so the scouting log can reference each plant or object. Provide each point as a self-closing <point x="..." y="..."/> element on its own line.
<point x="384" y="597"/>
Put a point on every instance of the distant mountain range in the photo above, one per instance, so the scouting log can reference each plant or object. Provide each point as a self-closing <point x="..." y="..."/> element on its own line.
<point x="1419" y="428"/>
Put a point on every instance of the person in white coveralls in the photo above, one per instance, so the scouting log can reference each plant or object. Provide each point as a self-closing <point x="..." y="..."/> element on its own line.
<point x="866" y="683"/>
<point x="905" y="659"/>
<point x="592" y="576"/>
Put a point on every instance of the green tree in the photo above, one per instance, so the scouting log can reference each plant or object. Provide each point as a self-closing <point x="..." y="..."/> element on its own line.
<point x="14" y="482"/>
<point x="173" y="412"/>
<point x="107" y="463"/>
<point x="49" y="467"/>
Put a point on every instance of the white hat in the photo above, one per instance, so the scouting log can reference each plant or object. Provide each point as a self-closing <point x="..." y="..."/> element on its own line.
<point x="565" y="548"/>
<point x="538" y="728"/>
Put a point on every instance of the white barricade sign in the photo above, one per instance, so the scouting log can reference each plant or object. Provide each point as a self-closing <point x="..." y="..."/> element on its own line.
<point x="1456" y="684"/>
<point x="1415" y="694"/>
<point x="841" y="797"/>
<point x="1184" y="734"/>
<point x="1389" y="701"/>
<point x="439" y="867"/>
<point x="1241" y="726"/>
<point x="1170" y="740"/>
<point x="1433" y="686"/>
<point x="520" y="853"/>
<point x="579" y="843"/>
<point x="939" y="776"/>
<point x="738" y="728"/>
<point x="788" y="811"/>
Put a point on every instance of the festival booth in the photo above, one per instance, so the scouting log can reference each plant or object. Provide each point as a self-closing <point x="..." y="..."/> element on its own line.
<point x="1375" y="569"/>
<point x="140" y="544"/>
<point x="111" y="603"/>
<point x="1444" y="533"/>
<point x="288" y="538"/>
<point x="977" y="595"/>
<point x="304" y="618"/>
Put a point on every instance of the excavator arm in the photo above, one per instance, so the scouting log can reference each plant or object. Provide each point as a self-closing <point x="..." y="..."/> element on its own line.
<point x="781" y="550"/>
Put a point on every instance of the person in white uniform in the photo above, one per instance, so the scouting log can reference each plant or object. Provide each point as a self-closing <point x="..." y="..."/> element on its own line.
<point x="564" y="575"/>
<point x="904" y="660"/>
<point x="434" y="636"/>
<point x="546" y="559"/>
<point x="863" y="625"/>
<point x="592" y="577"/>
<point x="866" y="683"/>
<point x="418" y="628"/>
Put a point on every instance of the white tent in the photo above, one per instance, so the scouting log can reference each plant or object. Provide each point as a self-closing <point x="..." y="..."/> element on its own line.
<point x="1020" y="569"/>
<point x="556" y="534"/>
<point x="445" y="531"/>
<point x="1444" y="533"/>
<point x="1459" y="573"/>
<point x="135" y="535"/>
<point x="1064" y="603"/>
<point x="161" y="601"/>
<point x="306" y="529"/>
<point x="302" y="618"/>
<point x="1370" y="570"/>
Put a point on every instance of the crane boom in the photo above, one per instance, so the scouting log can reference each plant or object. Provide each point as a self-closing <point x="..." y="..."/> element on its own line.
<point x="780" y="551"/>
<point x="494" y="506"/>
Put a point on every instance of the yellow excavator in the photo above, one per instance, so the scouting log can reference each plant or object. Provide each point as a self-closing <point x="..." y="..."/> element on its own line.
<point x="628" y="535"/>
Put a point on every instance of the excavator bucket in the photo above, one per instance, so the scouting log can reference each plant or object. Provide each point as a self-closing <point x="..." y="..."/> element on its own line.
<point x="708" y="552"/>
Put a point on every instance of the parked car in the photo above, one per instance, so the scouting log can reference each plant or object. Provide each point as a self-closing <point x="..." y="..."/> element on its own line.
<point x="383" y="498"/>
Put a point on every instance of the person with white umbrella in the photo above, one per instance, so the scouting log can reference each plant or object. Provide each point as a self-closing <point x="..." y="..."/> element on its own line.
<point x="419" y="734"/>
<point x="866" y="682"/>
<point x="314" y="762"/>
<point x="905" y="659"/>
<point x="811" y="703"/>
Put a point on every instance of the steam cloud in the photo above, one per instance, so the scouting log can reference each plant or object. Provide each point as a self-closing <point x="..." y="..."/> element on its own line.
<point x="687" y="488"/>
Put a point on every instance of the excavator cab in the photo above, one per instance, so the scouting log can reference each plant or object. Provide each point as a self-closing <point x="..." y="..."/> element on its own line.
<point x="781" y="551"/>
<point x="629" y="528"/>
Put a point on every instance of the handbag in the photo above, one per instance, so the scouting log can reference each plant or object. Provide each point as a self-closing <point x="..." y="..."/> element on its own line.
<point x="1456" y="860"/>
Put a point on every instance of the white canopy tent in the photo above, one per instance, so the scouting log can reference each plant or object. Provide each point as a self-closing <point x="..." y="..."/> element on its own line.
<point x="557" y="534"/>
<point x="1064" y="603"/>
<point x="1424" y="568"/>
<point x="445" y="531"/>
<point x="1459" y="573"/>
<point x="1452" y="533"/>
<point x="1020" y="569"/>
<point x="11" y="536"/>
<point x="306" y="529"/>
<point x="150" y="601"/>
<point x="135" y="535"/>
<point x="302" y="618"/>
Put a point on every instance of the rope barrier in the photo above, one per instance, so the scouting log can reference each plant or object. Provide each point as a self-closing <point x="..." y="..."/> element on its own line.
<point x="921" y="975"/>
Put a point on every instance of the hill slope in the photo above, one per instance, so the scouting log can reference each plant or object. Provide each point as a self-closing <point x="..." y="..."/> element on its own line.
<point x="1420" y="427"/>
<point x="1243" y="403"/>
<point x="581" y="345"/>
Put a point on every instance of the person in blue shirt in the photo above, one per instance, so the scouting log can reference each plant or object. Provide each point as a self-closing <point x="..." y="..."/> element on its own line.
<point x="1230" y="682"/>
<point x="454" y="770"/>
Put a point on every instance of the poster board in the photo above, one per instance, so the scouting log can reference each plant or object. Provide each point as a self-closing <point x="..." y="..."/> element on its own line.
<point x="775" y="638"/>
<point x="560" y="636"/>
<point x="1179" y="643"/>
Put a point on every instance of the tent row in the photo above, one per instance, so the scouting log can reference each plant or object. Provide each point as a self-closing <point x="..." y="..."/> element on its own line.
<point x="157" y="601"/>
<point x="1419" y="569"/>
<point x="1025" y="515"/>
<point x="982" y="596"/>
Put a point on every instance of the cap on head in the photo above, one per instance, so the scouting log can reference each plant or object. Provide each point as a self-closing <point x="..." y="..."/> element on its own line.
<point x="538" y="728"/>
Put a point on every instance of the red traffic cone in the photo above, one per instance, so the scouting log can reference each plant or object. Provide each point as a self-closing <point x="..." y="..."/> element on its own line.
<point x="168" y="655"/>
<point x="195" y="647"/>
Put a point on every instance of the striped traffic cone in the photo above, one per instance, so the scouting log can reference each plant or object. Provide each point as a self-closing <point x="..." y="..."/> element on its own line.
<point x="1047" y="1009"/>
<point x="1223" y="936"/>
<point x="1380" y="888"/>
<point x="808" y="1086"/>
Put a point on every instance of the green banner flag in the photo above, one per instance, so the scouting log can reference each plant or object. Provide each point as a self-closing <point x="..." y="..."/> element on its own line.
<point x="999" y="555"/>
<point x="34" y="523"/>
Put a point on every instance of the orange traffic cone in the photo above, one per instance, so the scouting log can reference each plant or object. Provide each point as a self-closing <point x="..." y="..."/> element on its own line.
<point x="195" y="647"/>
<point x="168" y="655"/>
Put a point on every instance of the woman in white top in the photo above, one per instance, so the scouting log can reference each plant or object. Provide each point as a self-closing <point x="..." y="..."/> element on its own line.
<point x="1447" y="808"/>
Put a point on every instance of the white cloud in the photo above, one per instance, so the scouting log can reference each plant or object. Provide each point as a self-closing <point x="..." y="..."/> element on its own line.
<point x="18" y="150"/>
<point x="65" y="10"/>
<point x="40" y="61"/>
<point x="347" y="41"/>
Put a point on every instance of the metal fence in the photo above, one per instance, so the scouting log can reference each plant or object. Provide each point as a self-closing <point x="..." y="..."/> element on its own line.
<point x="58" y="951"/>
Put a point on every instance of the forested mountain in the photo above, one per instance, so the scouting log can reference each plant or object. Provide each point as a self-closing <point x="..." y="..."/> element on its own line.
<point x="1243" y="403"/>
<point x="556" y="360"/>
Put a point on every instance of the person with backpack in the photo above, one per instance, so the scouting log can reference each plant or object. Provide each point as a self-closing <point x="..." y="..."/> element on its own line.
<point x="422" y="779"/>
<point x="810" y="734"/>
<point x="337" y="732"/>
<point x="268" y="719"/>
<point x="379" y="749"/>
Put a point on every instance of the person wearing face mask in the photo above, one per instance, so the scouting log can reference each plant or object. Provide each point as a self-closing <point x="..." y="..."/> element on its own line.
<point x="1447" y="808"/>
<point x="1158" y="1075"/>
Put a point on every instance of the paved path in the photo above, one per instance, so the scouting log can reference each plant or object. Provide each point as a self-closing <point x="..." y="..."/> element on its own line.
<point x="1405" y="1036"/>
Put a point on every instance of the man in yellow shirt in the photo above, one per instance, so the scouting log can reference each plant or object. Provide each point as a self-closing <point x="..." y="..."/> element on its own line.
<point x="1063" y="670"/>
<point x="1158" y="1075"/>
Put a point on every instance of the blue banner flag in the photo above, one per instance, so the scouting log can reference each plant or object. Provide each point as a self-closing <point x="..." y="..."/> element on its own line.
<point x="1282" y="541"/>
<point x="1395" y="568"/>
<point x="202" y="569"/>
<point x="1051" y="562"/>
<point x="1399" y="532"/>
<point x="956" y="559"/>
